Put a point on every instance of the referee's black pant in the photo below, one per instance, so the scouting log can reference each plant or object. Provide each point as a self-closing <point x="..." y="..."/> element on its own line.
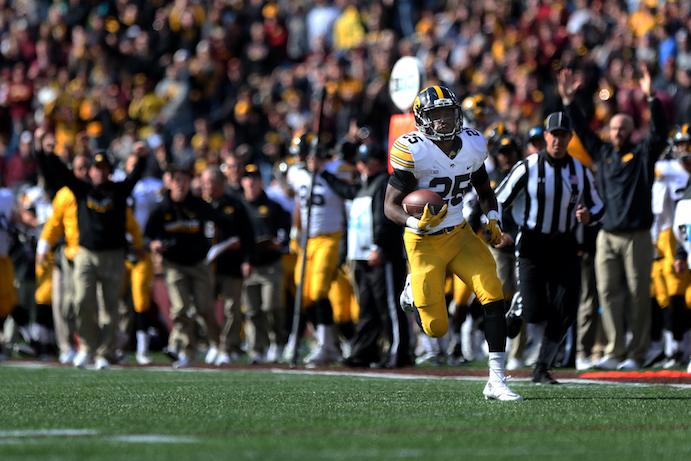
<point x="378" y="289"/>
<point x="549" y="280"/>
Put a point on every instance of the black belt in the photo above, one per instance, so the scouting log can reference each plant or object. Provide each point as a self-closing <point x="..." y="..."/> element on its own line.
<point x="447" y="230"/>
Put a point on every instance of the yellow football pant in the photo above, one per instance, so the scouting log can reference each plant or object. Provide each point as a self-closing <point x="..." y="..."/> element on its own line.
<point x="44" y="280"/>
<point x="461" y="292"/>
<point x="320" y="271"/>
<point x="342" y="298"/>
<point x="141" y="277"/>
<point x="8" y="292"/>
<point x="464" y="254"/>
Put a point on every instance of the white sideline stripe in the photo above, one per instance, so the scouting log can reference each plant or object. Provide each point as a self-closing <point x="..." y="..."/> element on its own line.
<point x="462" y="378"/>
<point x="23" y="435"/>
<point x="365" y="374"/>
<point x="152" y="438"/>
<point x="47" y="433"/>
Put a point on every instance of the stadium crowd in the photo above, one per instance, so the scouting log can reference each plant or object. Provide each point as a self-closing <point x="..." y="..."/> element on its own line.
<point x="219" y="99"/>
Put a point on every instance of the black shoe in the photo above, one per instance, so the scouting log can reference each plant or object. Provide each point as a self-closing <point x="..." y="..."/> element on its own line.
<point x="354" y="362"/>
<point x="542" y="376"/>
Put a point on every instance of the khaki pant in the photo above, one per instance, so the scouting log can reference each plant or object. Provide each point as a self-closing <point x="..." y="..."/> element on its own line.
<point x="622" y="267"/>
<point x="230" y="289"/>
<point x="64" y="317"/>
<point x="190" y="288"/>
<point x="589" y="333"/>
<point x="94" y="269"/>
<point x="263" y="299"/>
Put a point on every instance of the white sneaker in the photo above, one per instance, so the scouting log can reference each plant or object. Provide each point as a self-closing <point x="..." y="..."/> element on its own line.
<point x="274" y="353"/>
<point x="584" y="363"/>
<point x="432" y="358"/>
<point x="67" y="357"/>
<point x="182" y="362"/>
<point x="607" y="363"/>
<point x="82" y="359"/>
<point x="101" y="364"/>
<point x="322" y="356"/>
<point x="498" y="390"/>
<point x="514" y="364"/>
<point x="143" y="359"/>
<point x="628" y="364"/>
<point x="223" y="359"/>
<point x="406" y="298"/>
<point x="211" y="355"/>
<point x="688" y="370"/>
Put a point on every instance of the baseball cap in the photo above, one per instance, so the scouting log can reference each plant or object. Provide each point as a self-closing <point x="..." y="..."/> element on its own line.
<point x="535" y="132"/>
<point x="252" y="171"/>
<point x="557" y="121"/>
<point x="507" y="143"/>
<point x="101" y="159"/>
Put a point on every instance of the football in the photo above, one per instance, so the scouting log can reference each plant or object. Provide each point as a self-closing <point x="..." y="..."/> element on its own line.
<point x="414" y="203"/>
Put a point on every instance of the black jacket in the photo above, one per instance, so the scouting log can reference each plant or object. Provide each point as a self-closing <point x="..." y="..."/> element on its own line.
<point x="270" y="223"/>
<point x="625" y="176"/>
<point x="237" y="224"/>
<point x="100" y="209"/>
<point x="181" y="228"/>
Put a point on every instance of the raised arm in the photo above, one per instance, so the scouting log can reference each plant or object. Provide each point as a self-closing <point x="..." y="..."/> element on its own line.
<point x="54" y="170"/>
<point x="659" y="128"/>
<point x="131" y="180"/>
<point x="568" y="84"/>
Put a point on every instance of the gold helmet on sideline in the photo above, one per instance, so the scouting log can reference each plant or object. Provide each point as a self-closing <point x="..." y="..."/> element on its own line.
<point x="476" y="109"/>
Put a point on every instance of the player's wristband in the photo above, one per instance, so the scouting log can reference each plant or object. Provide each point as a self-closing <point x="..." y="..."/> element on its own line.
<point x="412" y="222"/>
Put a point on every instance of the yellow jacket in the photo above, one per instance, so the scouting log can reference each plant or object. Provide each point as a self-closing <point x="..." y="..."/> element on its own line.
<point x="63" y="223"/>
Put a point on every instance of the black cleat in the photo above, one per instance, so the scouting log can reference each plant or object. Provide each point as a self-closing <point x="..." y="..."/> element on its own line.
<point x="542" y="376"/>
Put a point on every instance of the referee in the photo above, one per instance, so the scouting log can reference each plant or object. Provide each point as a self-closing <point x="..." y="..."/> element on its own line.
<point x="550" y="191"/>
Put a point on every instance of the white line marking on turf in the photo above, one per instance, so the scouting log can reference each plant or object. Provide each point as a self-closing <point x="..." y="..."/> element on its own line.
<point x="152" y="438"/>
<point x="459" y="378"/>
<point x="47" y="433"/>
<point x="364" y="374"/>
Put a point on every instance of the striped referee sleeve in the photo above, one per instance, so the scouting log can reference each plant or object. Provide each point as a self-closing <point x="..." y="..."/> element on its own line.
<point x="512" y="185"/>
<point x="591" y="198"/>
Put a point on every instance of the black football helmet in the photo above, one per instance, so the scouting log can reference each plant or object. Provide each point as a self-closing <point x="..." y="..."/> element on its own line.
<point x="429" y="99"/>
<point x="301" y="145"/>
<point x="681" y="143"/>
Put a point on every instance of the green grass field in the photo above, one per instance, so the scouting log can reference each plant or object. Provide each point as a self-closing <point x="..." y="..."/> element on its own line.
<point x="150" y="415"/>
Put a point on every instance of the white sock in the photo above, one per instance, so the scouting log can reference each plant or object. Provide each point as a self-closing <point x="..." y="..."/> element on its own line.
<point x="142" y="342"/>
<point x="429" y="344"/>
<point x="671" y="344"/>
<point x="496" y="366"/>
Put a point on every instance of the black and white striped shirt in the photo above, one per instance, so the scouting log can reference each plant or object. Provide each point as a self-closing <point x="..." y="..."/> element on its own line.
<point x="545" y="192"/>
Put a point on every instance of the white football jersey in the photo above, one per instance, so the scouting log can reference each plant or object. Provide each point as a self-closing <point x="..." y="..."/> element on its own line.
<point x="670" y="181"/>
<point x="297" y="174"/>
<point x="682" y="223"/>
<point x="436" y="171"/>
<point x="327" y="215"/>
<point x="6" y="207"/>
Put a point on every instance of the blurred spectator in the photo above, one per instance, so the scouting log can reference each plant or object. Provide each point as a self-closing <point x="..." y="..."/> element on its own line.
<point x="21" y="166"/>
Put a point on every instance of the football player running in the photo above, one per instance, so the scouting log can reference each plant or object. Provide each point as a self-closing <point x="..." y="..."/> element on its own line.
<point x="444" y="157"/>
